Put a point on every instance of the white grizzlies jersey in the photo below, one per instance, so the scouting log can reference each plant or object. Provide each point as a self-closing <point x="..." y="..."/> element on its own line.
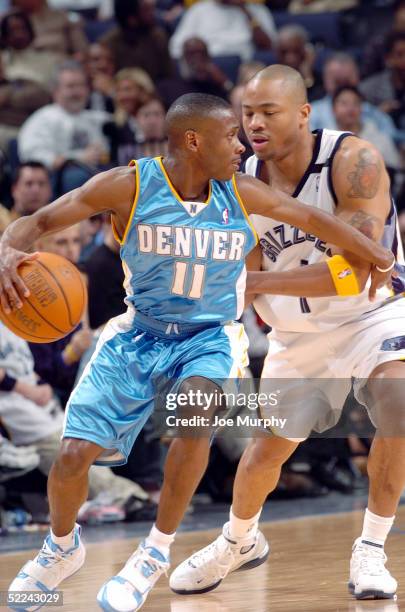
<point x="285" y="247"/>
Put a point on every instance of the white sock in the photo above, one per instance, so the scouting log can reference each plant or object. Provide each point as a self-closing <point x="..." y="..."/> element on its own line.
<point x="241" y="528"/>
<point x="160" y="540"/>
<point x="376" y="528"/>
<point x="66" y="541"/>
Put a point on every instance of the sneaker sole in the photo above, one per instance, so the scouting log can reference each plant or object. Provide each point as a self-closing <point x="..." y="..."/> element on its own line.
<point x="370" y="593"/>
<point x="245" y="566"/>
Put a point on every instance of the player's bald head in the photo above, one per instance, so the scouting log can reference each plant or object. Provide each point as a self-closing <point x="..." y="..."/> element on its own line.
<point x="194" y="111"/>
<point x="285" y="82"/>
<point x="275" y="112"/>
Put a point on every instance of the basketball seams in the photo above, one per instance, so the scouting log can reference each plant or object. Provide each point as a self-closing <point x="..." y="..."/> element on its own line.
<point x="61" y="331"/>
<point x="61" y="290"/>
<point x="12" y="326"/>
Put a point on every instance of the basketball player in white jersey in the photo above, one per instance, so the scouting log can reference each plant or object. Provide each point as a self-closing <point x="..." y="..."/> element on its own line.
<point x="331" y="333"/>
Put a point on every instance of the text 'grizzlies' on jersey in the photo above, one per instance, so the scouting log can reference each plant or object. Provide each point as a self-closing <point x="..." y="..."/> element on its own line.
<point x="185" y="261"/>
<point x="285" y="247"/>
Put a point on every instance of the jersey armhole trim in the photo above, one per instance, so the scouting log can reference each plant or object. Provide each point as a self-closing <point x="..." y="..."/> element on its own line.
<point x="330" y="163"/>
<point x="242" y="206"/>
<point x="122" y="240"/>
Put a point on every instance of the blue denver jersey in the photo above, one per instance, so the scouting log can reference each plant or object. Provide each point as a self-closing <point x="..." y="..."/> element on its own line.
<point x="184" y="261"/>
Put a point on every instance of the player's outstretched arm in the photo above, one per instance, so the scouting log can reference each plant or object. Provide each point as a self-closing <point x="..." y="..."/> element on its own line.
<point x="108" y="191"/>
<point x="263" y="200"/>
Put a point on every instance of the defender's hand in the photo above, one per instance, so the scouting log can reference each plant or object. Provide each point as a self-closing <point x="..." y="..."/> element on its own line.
<point x="12" y="287"/>
<point x="380" y="279"/>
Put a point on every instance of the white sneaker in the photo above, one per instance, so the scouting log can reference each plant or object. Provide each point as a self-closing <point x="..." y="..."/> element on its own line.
<point x="369" y="578"/>
<point x="49" y="568"/>
<point x="128" y="591"/>
<point x="205" y="570"/>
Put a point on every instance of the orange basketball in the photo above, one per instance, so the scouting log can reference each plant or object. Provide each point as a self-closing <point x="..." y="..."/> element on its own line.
<point x="57" y="300"/>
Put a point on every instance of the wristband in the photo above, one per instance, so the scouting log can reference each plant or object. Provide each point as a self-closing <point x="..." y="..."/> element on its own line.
<point x="387" y="269"/>
<point x="8" y="383"/>
<point x="343" y="276"/>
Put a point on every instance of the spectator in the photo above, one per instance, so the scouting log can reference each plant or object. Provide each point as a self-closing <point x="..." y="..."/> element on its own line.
<point x="132" y="88"/>
<point x="105" y="300"/>
<point x="228" y="27"/>
<point x="197" y="73"/>
<point x="79" y="131"/>
<point x="101" y="70"/>
<point x="57" y="362"/>
<point x="32" y="416"/>
<point x="151" y="121"/>
<point x="20" y="58"/>
<point x="294" y="49"/>
<point x="91" y="236"/>
<point x="150" y="139"/>
<point x="347" y="103"/>
<point x="138" y="40"/>
<point x="55" y="31"/>
<point x="321" y="6"/>
<point x="341" y="69"/>
<point x="246" y="72"/>
<point x="387" y="89"/>
<point x="18" y="99"/>
<point x="373" y="56"/>
<point x="31" y="190"/>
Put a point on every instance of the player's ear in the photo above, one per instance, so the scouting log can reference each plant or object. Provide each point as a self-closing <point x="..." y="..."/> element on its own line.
<point x="192" y="140"/>
<point x="305" y="111"/>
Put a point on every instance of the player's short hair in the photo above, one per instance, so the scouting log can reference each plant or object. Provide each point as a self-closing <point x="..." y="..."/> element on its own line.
<point x="197" y="105"/>
<point x="191" y="108"/>
<point x="35" y="165"/>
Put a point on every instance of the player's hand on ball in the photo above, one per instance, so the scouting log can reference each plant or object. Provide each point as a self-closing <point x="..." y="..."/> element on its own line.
<point x="12" y="287"/>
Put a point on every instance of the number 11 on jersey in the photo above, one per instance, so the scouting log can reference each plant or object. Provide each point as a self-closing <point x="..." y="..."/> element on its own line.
<point x="181" y="272"/>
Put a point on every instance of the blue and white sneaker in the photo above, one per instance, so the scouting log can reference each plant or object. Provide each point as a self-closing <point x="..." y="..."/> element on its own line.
<point x="128" y="591"/>
<point x="52" y="565"/>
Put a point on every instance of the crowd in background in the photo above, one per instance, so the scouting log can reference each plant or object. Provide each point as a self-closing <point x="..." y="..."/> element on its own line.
<point x="84" y="86"/>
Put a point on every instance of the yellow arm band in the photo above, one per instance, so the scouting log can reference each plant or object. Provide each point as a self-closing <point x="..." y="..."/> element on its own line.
<point x="343" y="276"/>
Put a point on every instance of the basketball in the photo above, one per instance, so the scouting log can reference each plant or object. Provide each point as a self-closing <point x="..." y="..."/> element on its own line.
<point x="57" y="300"/>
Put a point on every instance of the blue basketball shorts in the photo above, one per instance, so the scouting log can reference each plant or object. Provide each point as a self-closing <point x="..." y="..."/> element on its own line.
<point x="117" y="391"/>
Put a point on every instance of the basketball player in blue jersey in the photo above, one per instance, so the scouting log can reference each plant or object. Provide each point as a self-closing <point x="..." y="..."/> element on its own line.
<point x="334" y="332"/>
<point x="184" y="235"/>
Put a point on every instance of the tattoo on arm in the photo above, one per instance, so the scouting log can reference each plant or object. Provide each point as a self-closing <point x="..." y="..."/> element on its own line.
<point x="365" y="223"/>
<point x="365" y="179"/>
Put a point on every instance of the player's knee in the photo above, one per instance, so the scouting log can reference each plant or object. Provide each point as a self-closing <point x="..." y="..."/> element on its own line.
<point x="203" y="397"/>
<point x="74" y="458"/>
<point x="271" y="453"/>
